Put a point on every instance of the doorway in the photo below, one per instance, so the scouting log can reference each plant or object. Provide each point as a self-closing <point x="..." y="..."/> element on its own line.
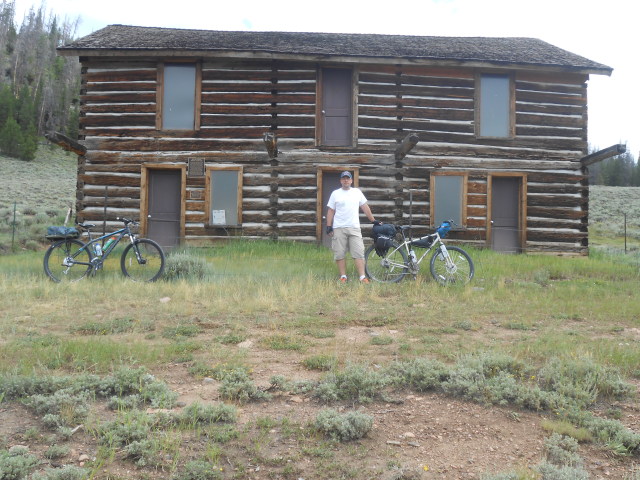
<point x="162" y="206"/>
<point x="508" y="213"/>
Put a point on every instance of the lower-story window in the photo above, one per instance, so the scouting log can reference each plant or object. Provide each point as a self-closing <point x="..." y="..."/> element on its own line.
<point x="224" y="195"/>
<point x="448" y="198"/>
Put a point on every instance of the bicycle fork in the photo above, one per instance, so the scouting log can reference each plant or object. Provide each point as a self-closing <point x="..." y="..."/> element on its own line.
<point x="444" y="254"/>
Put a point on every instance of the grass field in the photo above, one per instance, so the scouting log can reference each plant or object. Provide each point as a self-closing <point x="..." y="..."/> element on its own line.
<point x="266" y="368"/>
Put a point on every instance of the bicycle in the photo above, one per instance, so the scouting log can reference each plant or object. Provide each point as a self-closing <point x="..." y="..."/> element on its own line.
<point x="390" y="261"/>
<point x="69" y="259"/>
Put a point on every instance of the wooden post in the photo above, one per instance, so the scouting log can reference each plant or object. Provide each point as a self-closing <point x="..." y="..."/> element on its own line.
<point x="406" y="145"/>
<point x="600" y="155"/>
<point x="66" y="143"/>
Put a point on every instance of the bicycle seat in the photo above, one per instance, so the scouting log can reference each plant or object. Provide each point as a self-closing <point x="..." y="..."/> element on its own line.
<point x="86" y="226"/>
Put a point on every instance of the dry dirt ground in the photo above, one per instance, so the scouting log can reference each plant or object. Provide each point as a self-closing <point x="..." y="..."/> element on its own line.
<point x="428" y="436"/>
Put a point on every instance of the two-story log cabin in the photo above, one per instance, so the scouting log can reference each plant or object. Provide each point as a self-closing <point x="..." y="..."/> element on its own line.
<point x="210" y="134"/>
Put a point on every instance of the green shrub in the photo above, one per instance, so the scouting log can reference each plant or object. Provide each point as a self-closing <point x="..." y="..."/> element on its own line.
<point x="320" y="362"/>
<point x="355" y="383"/>
<point x="550" y="471"/>
<point x="420" y="374"/>
<point x="56" y="451"/>
<point x="198" y="470"/>
<point x="16" y="464"/>
<point x="182" y="330"/>
<point x="68" y="472"/>
<point x="184" y="265"/>
<point x="343" y="427"/>
<point x="562" y="451"/>
<point x="236" y="385"/>
<point x="117" y="325"/>
<point x="198" y="414"/>
<point x="381" y="340"/>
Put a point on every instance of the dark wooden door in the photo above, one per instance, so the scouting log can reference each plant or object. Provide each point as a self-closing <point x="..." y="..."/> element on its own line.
<point x="164" y="207"/>
<point x="505" y="214"/>
<point x="337" y="94"/>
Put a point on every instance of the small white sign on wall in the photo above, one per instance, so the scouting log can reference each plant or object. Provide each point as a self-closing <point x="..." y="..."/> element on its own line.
<point x="218" y="217"/>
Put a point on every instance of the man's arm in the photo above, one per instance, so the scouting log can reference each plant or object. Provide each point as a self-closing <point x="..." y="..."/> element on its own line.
<point x="367" y="211"/>
<point x="330" y="214"/>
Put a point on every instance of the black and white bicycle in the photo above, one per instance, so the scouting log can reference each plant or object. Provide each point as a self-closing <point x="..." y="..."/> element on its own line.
<point x="388" y="260"/>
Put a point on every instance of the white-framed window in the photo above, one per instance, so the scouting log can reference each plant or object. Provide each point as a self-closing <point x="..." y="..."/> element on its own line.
<point x="494" y="111"/>
<point x="448" y="198"/>
<point x="224" y="195"/>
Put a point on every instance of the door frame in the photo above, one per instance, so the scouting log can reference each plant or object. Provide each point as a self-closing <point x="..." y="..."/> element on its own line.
<point x="522" y="208"/>
<point x="319" y="186"/>
<point x="144" y="194"/>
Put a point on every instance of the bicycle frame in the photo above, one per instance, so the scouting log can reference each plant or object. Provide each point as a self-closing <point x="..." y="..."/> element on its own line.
<point x="409" y="245"/>
<point x="98" y="260"/>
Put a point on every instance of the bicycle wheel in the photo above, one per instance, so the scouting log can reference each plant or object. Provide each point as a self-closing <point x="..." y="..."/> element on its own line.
<point x="142" y="261"/>
<point x="391" y="268"/>
<point x="60" y="261"/>
<point x="459" y="271"/>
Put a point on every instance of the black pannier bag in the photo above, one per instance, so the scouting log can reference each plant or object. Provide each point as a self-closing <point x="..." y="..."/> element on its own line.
<point x="60" y="233"/>
<point x="382" y="236"/>
<point x="424" y="242"/>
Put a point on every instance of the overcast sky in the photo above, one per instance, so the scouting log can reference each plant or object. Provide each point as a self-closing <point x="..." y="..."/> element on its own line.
<point x="604" y="31"/>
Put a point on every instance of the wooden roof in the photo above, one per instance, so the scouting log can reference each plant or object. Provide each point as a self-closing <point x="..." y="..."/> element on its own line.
<point x="478" y="51"/>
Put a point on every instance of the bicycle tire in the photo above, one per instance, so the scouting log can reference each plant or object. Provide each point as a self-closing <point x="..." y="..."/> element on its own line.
<point x="152" y="265"/>
<point x="56" y="265"/>
<point x="461" y="271"/>
<point x="388" y="269"/>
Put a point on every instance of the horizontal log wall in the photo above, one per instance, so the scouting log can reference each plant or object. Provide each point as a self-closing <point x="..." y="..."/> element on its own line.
<point x="241" y="100"/>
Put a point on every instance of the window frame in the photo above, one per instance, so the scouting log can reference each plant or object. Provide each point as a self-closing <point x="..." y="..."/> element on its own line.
<point x="209" y="191"/>
<point x="160" y="96"/>
<point x="320" y="103"/>
<point x="433" y="193"/>
<point x="511" y="129"/>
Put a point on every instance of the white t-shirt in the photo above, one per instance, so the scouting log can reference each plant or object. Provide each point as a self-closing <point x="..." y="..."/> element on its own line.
<point x="346" y="204"/>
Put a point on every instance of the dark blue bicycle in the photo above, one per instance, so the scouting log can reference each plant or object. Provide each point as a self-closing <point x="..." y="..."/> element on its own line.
<point x="69" y="259"/>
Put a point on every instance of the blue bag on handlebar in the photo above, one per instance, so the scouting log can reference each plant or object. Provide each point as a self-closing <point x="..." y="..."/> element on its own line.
<point x="443" y="229"/>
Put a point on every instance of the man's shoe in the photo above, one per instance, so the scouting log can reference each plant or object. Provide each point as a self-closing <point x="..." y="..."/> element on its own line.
<point x="365" y="280"/>
<point x="343" y="280"/>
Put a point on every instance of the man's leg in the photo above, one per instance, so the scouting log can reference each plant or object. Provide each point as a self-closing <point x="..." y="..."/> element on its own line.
<point x="356" y="248"/>
<point x="342" y="266"/>
<point x="339" y="245"/>
<point x="359" y="266"/>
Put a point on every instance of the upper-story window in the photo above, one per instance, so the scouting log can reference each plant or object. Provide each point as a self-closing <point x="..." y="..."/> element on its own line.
<point x="336" y="108"/>
<point x="494" y="111"/>
<point x="180" y="94"/>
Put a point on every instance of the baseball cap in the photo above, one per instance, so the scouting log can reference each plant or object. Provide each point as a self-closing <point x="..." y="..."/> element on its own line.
<point x="346" y="174"/>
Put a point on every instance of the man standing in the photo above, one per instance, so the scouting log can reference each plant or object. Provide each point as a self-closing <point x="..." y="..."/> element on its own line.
<point x="343" y="226"/>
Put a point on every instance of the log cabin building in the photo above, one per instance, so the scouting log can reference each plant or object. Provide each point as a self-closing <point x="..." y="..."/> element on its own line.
<point x="206" y="135"/>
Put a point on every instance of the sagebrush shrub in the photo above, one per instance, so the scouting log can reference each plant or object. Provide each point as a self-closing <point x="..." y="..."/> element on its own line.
<point x="68" y="472"/>
<point x="198" y="470"/>
<point x="16" y="464"/>
<point x="356" y="383"/>
<point x="197" y="413"/>
<point x="184" y="265"/>
<point x="343" y="426"/>
<point x="236" y="385"/>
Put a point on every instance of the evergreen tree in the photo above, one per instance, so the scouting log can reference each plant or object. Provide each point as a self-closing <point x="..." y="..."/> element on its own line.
<point x="38" y="89"/>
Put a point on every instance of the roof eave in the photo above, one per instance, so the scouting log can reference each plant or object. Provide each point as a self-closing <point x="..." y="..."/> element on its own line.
<point x="264" y="55"/>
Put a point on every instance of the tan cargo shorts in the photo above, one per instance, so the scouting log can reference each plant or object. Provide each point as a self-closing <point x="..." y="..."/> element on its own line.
<point x="347" y="240"/>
